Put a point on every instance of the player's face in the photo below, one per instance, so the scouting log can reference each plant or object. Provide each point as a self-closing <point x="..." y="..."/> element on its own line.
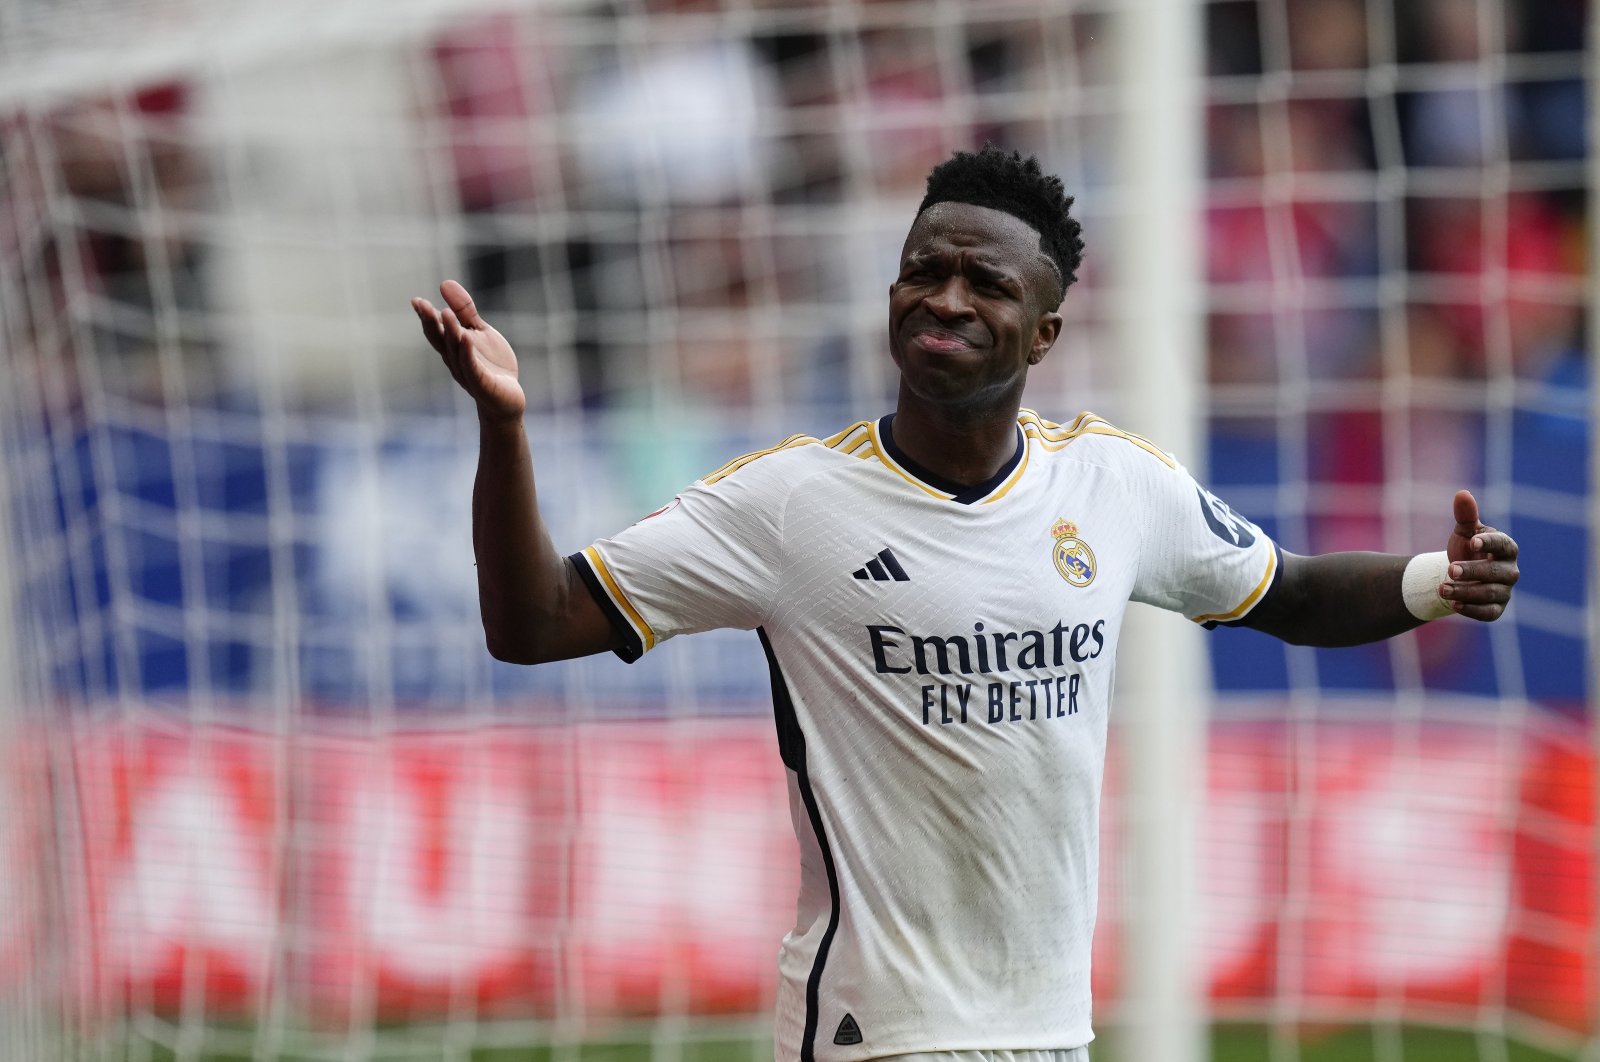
<point x="973" y="307"/>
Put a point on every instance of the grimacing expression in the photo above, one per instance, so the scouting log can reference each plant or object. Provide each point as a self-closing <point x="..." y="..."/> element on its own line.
<point x="973" y="307"/>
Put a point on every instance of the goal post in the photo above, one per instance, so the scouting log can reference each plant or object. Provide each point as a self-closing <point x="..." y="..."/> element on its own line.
<point x="24" y="1008"/>
<point x="1592" y="595"/>
<point x="1163" y="688"/>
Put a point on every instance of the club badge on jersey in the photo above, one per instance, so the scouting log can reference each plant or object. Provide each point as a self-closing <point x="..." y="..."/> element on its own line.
<point x="1074" y="559"/>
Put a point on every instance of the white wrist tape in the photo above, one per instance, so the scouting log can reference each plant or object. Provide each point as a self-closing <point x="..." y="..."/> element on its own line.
<point x="1420" y="585"/>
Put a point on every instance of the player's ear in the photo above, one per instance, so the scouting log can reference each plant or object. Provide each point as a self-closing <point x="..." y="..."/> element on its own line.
<point x="1044" y="336"/>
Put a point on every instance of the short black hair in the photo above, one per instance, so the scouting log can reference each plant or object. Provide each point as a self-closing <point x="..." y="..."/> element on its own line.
<point x="1005" y="181"/>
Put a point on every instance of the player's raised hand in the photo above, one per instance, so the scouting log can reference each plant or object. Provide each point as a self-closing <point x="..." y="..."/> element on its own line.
<point x="1483" y="564"/>
<point x="476" y="354"/>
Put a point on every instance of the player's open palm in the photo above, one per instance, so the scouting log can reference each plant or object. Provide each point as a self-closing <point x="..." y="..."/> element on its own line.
<point x="476" y="354"/>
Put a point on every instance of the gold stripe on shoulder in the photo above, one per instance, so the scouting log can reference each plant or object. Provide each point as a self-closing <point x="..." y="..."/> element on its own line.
<point x="1102" y="428"/>
<point x="1050" y="431"/>
<point x="834" y="441"/>
<point x="1025" y="414"/>
<point x="861" y="448"/>
<point x="1054" y="437"/>
<point x="739" y="462"/>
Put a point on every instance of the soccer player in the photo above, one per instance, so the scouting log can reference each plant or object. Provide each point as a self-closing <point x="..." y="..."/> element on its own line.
<point x="939" y="594"/>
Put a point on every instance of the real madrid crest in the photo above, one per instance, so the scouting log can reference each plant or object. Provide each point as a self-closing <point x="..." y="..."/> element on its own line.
<point x="1074" y="559"/>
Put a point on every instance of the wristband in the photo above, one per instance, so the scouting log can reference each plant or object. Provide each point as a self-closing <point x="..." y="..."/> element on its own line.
<point x="1419" y="586"/>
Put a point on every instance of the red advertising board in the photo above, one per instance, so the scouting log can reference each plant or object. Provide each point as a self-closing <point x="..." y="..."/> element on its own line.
<point x="650" y="868"/>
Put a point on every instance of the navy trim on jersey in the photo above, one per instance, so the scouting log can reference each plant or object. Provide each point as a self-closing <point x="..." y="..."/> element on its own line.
<point x="964" y="494"/>
<point x="1244" y="620"/>
<point x="792" y="747"/>
<point x="632" y="647"/>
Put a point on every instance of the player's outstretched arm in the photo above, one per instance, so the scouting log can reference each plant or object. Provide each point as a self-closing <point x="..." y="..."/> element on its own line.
<point x="1349" y="598"/>
<point x="534" y="606"/>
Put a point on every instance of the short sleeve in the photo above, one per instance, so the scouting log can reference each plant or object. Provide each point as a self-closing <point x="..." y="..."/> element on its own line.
<point x="709" y="559"/>
<point x="1200" y="557"/>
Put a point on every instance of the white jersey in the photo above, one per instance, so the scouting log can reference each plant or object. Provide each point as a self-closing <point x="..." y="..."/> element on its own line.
<point x="942" y="662"/>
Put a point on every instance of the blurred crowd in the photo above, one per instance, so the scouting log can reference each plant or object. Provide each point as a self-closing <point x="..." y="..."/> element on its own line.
<point x="672" y="196"/>
<point x="691" y="210"/>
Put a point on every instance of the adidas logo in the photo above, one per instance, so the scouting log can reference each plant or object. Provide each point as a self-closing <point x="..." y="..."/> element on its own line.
<point x="849" y="1032"/>
<point x="882" y="569"/>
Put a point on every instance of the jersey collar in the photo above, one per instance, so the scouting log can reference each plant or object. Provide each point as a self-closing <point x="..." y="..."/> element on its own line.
<point x="936" y="484"/>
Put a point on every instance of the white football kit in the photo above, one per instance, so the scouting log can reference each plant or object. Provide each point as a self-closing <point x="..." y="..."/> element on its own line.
<point x="941" y="662"/>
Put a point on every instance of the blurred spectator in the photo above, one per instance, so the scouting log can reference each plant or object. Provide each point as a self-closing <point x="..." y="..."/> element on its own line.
<point x="1494" y="249"/>
<point x="670" y="119"/>
<point x="901" y="112"/>
<point x="129" y="161"/>
<point x="31" y="325"/>
<point x="496" y="77"/>
<point x="492" y="97"/>
<point x="1459" y="118"/>
<point x="1263" y="245"/>
<point x="1327" y="34"/>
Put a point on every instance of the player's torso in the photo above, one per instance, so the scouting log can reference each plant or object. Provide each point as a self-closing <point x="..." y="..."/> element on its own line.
<point x="950" y="669"/>
<point x="961" y="616"/>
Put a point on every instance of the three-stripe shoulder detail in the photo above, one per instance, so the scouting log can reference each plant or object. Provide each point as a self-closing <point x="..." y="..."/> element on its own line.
<point x="855" y="441"/>
<point x="739" y="462"/>
<point x="1052" y="436"/>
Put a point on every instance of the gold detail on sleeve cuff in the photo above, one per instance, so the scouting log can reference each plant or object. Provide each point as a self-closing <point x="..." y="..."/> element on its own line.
<point x="620" y="598"/>
<point x="1248" y="603"/>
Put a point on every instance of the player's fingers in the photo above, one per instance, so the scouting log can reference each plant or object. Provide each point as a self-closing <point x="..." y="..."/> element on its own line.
<point x="1485" y="571"/>
<point x="1484" y="613"/>
<point x="452" y="365"/>
<point x="429" y="317"/>
<point x="1476" y="593"/>
<point x="453" y="330"/>
<point x="461" y="302"/>
<point x="455" y="345"/>
<point x="1465" y="507"/>
<point x="1495" y="544"/>
<point x="433" y="329"/>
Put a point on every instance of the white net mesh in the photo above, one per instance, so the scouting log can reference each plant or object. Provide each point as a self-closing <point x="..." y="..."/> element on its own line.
<point x="272" y="798"/>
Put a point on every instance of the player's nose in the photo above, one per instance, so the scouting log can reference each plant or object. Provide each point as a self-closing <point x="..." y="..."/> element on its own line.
<point x="950" y="300"/>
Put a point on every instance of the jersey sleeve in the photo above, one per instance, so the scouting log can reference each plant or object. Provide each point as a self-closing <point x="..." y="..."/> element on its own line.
<point x="1200" y="557"/>
<point x="709" y="559"/>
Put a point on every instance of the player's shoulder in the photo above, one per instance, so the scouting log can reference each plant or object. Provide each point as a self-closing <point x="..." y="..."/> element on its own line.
<point x="1091" y="437"/>
<point x="795" y="457"/>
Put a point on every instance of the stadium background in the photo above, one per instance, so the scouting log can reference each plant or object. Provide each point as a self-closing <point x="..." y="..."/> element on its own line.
<point x="267" y="796"/>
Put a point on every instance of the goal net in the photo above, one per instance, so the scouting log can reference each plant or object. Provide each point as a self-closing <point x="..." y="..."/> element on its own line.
<point x="265" y="794"/>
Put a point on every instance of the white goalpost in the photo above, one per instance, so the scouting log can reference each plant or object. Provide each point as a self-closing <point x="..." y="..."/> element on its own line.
<point x="1159" y="350"/>
<point x="1592" y="593"/>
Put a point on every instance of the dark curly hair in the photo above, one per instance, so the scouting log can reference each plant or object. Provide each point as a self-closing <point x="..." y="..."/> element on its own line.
<point x="1007" y="182"/>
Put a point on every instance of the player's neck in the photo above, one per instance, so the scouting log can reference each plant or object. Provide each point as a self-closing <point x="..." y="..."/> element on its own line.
<point x="963" y="447"/>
